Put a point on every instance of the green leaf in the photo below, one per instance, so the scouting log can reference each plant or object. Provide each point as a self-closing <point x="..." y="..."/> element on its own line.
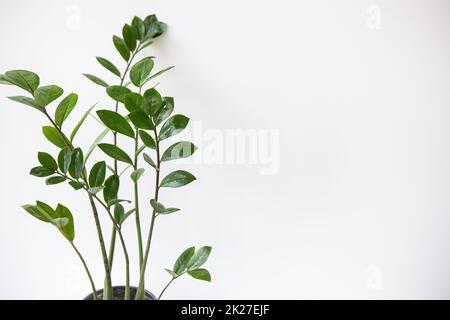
<point x="121" y="47"/>
<point x="64" y="158"/>
<point x="140" y="120"/>
<point x="129" y="36"/>
<point x="111" y="188"/>
<point x="182" y="149"/>
<point x="27" y="101"/>
<point x="98" y="174"/>
<point x="157" y="74"/>
<point x="24" y="79"/>
<point x="150" y="161"/>
<point x="4" y="79"/>
<point x="134" y="102"/>
<point x="95" y="190"/>
<point x="140" y="71"/>
<point x="177" y="179"/>
<point x="120" y="215"/>
<point x="108" y="65"/>
<point x="68" y="229"/>
<point x="96" y="80"/>
<point x="37" y="212"/>
<point x="118" y="93"/>
<point x="116" y="122"/>
<point x="41" y="172"/>
<point x="153" y="101"/>
<point x="76" y="163"/>
<point x="47" y="209"/>
<point x="147" y="139"/>
<point x="139" y="26"/>
<point x="79" y="124"/>
<point x="173" y="126"/>
<point x="53" y="135"/>
<point x="159" y="207"/>
<point x="166" y="111"/>
<point x="173" y="274"/>
<point x="47" y="161"/>
<point x="76" y="185"/>
<point x="95" y="143"/>
<point x="182" y="261"/>
<point x="64" y="108"/>
<point x="47" y="94"/>
<point x="154" y="28"/>
<point x="137" y="174"/>
<point x="115" y="152"/>
<point x="115" y="201"/>
<point x="200" y="274"/>
<point x="199" y="258"/>
<point x="54" y="180"/>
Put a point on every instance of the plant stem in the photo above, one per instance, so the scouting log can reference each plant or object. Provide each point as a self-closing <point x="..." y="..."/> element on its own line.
<point x="136" y="199"/>
<point x="165" y="288"/>
<point x="94" y="291"/>
<point x="141" y="289"/>
<point x="107" y="291"/>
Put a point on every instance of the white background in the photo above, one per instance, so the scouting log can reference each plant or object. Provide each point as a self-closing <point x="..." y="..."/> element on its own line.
<point x="359" y="207"/>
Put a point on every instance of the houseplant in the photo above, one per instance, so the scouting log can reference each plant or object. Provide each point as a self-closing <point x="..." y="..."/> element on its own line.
<point x="141" y="114"/>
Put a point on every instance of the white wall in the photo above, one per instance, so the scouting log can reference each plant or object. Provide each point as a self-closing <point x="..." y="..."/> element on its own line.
<point x="359" y="205"/>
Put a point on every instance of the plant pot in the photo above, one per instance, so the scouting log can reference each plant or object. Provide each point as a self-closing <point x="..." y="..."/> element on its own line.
<point x="119" y="294"/>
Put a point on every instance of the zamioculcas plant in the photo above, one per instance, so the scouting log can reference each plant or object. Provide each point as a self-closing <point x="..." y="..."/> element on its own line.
<point x="139" y="114"/>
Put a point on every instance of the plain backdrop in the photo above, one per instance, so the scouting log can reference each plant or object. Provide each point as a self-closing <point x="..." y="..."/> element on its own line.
<point x="356" y="95"/>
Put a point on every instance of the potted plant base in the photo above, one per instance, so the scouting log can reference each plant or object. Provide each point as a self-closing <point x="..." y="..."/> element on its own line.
<point x="119" y="294"/>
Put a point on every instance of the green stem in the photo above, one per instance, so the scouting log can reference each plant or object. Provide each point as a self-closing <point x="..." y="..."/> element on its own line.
<point x="94" y="291"/>
<point x="165" y="288"/>
<point x="141" y="289"/>
<point x="136" y="200"/>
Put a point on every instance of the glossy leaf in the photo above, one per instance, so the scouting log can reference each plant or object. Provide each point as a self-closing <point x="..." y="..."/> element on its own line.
<point x="47" y="94"/>
<point x="27" y="101"/>
<point x="137" y="174"/>
<point x="121" y="47"/>
<point x="97" y="174"/>
<point x="129" y="36"/>
<point x="173" y="274"/>
<point x="140" y="120"/>
<point x="116" y="122"/>
<point x="153" y="101"/>
<point x="96" y="80"/>
<point x="177" y="179"/>
<point x="24" y="79"/>
<point x="115" y="152"/>
<point x="53" y="135"/>
<point x="154" y="28"/>
<point x="47" y="209"/>
<point x="147" y="139"/>
<point x="118" y="93"/>
<point x="199" y="258"/>
<point x="76" y="163"/>
<point x="120" y="215"/>
<point x="157" y="74"/>
<point x="95" y="143"/>
<point x="4" y="79"/>
<point x="54" y="180"/>
<point x="140" y="71"/>
<point x="166" y="111"/>
<point x="41" y="172"/>
<point x="108" y="65"/>
<point x="80" y="123"/>
<point x="95" y="190"/>
<point x="64" y="108"/>
<point x="173" y="126"/>
<point x="67" y="229"/>
<point x="181" y="264"/>
<point x="159" y="207"/>
<point x="111" y="188"/>
<point x="182" y="149"/>
<point x="37" y="212"/>
<point x="76" y="185"/>
<point x="47" y="161"/>
<point x="200" y="274"/>
<point x="139" y="26"/>
<point x="134" y="102"/>
<point x="149" y="160"/>
<point x="64" y="159"/>
<point x="115" y="201"/>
